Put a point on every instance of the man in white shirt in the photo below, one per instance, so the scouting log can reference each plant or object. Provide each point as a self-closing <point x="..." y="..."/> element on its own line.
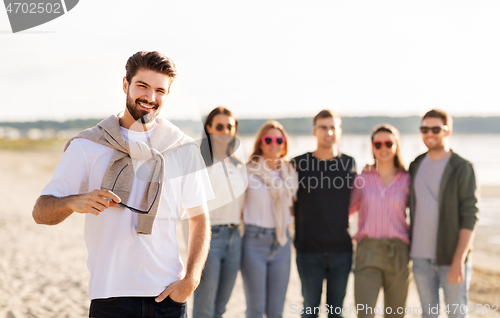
<point x="131" y="214"/>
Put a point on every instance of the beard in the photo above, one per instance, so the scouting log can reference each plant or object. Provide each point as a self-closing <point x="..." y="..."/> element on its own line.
<point x="140" y="115"/>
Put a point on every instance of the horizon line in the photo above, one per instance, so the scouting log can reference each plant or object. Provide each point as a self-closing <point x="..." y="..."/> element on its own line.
<point x="248" y="118"/>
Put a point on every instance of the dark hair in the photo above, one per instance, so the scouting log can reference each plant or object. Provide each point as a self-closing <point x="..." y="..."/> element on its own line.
<point x="154" y="61"/>
<point x="206" y="143"/>
<point x="326" y="113"/>
<point x="441" y="114"/>
<point x="398" y="160"/>
<point x="257" y="152"/>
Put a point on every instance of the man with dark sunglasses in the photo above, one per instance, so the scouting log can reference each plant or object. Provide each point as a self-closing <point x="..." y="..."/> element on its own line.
<point x="443" y="213"/>
<point x="322" y="241"/>
<point x="131" y="175"/>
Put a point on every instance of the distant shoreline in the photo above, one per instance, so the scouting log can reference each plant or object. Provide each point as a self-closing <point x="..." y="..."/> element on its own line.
<point x="294" y="126"/>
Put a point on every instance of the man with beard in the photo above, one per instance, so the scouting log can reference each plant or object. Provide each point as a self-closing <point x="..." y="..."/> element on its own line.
<point x="443" y="213"/>
<point x="131" y="175"/>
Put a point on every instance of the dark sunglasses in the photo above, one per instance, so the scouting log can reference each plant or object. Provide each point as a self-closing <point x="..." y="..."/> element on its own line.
<point x="220" y="127"/>
<point x="269" y="139"/>
<point x="387" y="143"/>
<point x="435" y="130"/>
<point x="131" y="208"/>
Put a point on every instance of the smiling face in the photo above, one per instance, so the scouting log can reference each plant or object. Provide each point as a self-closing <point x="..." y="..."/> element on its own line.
<point x="273" y="150"/>
<point x="327" y="131"/>
<point x="384" y="153"/>
<point x="146" y="94"/>
<point x="431" y="140"/>
<point x="222" y="129"/>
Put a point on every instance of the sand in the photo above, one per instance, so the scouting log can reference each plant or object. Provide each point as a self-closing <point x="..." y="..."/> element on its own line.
<point x="43" y="269"/>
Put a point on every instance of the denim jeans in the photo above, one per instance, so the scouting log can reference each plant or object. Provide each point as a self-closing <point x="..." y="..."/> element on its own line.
<point x="265" y="269"/>
<point x="136" y="307"/>
<point x="219" y="274"/>
<point x="429" y="277"/>
<point x="313" y="269"/>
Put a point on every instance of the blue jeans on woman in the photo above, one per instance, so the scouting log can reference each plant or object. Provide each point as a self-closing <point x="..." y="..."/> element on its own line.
<point x="313" y="269"/>
<point x="429" y="277"/>
<point x="265" y="268"/>
<point x="219" y="274"/>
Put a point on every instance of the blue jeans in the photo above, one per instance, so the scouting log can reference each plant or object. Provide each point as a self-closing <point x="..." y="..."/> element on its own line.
<point x="429" y="277"/>
<point x="313" y="269"/>
<point x="265" y="268"/>
<point x="219" y="274"/>
<point x="136" y="307"/>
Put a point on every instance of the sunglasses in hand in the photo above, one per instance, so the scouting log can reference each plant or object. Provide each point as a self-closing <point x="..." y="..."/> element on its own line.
<point x="269" y="140"/>
<point x="129" y="207"/>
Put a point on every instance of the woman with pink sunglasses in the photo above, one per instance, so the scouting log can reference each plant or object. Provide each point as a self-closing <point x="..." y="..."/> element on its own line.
<point x="272" y="185"/>
<point x="380" y="196"/>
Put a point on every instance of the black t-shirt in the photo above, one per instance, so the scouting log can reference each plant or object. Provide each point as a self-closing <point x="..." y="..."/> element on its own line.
<point x="322" y="207"/>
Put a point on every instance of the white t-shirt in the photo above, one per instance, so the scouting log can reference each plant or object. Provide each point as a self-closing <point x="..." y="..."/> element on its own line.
<point x="229" y="183"/>
<point x="122" y="262"/>
<point x="258" y="208"/>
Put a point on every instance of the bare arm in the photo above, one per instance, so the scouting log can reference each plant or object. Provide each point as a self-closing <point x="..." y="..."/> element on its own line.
<point x="198" y="246"/>
<point x="52" y="210"/>
<point x="457" y="268"/>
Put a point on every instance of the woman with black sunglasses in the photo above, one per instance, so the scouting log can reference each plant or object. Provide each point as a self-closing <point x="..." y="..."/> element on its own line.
<point x="229" y="182"/>
<point x="272" y="185"/>
<point x="380" y="195"/>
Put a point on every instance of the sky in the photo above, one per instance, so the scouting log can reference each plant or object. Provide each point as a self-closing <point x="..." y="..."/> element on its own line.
<point x="261" y="59"/>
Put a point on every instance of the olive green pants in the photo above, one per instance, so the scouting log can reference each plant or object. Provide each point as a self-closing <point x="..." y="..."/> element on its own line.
<point x="381" y="263"/>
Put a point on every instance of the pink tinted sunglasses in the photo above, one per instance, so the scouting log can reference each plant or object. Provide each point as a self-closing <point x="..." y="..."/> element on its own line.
<point x="379" y="144"/>
<point x="269" y="139"/>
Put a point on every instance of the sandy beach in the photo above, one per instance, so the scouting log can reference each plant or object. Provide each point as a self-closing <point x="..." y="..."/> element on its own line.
<point x="43" y="269"/>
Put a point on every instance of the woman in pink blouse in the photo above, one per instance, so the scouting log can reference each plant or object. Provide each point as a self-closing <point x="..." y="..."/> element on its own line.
<point x="382" y="255"/>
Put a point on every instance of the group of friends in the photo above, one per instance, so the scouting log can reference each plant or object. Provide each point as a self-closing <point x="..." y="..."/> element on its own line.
<point x="134" y="174"/>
